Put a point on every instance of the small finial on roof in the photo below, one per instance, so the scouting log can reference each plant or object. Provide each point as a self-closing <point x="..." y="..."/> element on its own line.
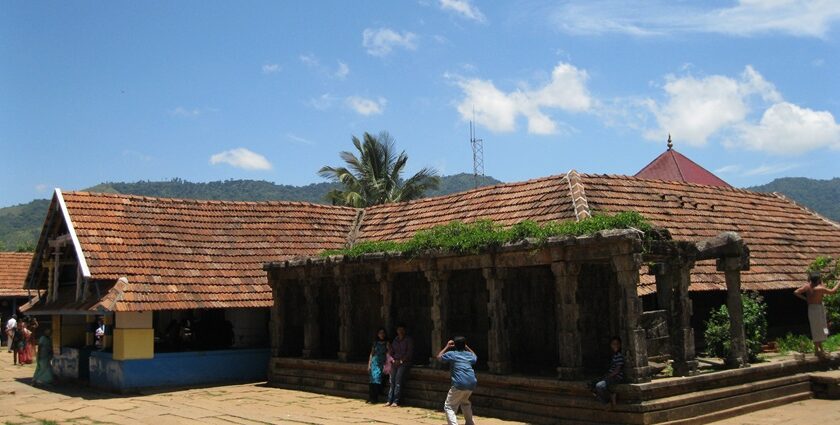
<point x="670" y="143"/>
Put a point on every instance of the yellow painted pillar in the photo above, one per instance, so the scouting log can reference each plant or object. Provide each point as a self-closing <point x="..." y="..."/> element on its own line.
<point x="134" y="337"/>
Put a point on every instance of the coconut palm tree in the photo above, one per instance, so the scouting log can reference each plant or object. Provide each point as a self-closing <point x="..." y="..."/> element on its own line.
<point x="375" y="176"/>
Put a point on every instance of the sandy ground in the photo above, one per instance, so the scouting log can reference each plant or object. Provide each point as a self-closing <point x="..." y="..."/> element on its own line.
<point x="20" y="403"/>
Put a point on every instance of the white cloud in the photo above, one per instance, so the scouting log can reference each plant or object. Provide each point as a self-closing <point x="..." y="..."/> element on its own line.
<point x="42" y="187"/>
<point x="241" y="158"/>
<point x="297" y="139"/>
<point x="763" y="170"/>
<point x="322" y="102"/>
<point x="381" y="41"/>
<point x="342" y="71"/>
<point x="786" y="128"/>
<point x="464" y="8"/>
<point x="271" y="68"/>
<point x="802" y="18"/>
<point x="728" y="169"/>
<point x="365" y="106"/>
<point x="698" y="108"/>
<point x="309" y="60"/>
<point x="498" y="110"/>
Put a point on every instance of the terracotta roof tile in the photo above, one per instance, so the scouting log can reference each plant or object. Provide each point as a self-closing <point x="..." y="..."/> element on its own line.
<point x="783" y="237"/>
<point x="13" y="269"/>
<point x="674" y="166"/>
<point x="179" y="254"/>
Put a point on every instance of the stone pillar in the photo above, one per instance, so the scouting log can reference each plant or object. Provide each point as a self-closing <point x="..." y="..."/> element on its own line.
<point x="277" y="322"/>
<point x="386" y="285"/>
<point x="626" y="267"/>
<point x="439" y="292"/>
<point x="498" y="343"/>
<point x="731" y="266"/>
<point x="664" y="285"/>
<point x="311" y="326"/>
<point x="345" y="315"/>
<point x="682" y="334"/>
<point x="567" y="314"/>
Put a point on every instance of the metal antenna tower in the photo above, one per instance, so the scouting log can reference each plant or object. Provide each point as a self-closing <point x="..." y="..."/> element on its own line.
<point x="478" y="153"/>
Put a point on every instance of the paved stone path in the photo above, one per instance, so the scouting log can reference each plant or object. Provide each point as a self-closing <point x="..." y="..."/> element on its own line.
<point x="20" y="403"/>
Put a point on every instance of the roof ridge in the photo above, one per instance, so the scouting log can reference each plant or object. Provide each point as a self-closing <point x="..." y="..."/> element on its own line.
<point x="578" y="195"/>
<point x="672" y="153"/>
<point x="205" y="201"/>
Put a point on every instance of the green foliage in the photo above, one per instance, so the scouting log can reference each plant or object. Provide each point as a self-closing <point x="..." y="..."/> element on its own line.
<point x="470" y="238"/>
<point x="717" y="336"/>
<point x="794" y="343"/>
<point x="829" y="268"/>
<point x="20" y="225"/>
<point x="822" y="196"/>
<point x="375" y="176"/>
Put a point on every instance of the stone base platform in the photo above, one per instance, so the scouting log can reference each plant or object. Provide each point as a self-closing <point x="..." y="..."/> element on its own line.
<point x="686" y="400"/>
<point x="826" y="385"/>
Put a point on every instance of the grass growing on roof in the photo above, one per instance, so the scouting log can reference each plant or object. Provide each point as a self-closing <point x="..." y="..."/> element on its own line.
<point x="472" y="238"/>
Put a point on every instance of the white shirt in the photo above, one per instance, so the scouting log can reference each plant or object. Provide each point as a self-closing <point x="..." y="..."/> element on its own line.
<point x="11" y="324"/>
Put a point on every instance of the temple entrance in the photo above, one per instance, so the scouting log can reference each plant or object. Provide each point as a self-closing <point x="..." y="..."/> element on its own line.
<point x="530" y="295"/>
<point x="596" y="287"/>
<point x="412" y="308"/>
<point x="467" y="313"/>
<point x="294" y="304"/>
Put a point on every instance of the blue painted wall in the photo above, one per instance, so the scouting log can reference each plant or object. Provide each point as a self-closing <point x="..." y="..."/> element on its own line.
<point x="178" y="369"/>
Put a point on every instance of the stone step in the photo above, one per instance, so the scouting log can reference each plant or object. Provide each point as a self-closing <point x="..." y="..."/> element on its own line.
<point x="719" y="415"/>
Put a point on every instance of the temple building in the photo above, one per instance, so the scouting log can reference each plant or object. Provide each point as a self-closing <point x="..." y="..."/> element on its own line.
<point x="13" y="268"/>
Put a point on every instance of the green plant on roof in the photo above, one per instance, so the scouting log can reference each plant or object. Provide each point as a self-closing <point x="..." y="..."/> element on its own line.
<point x="471" y="238"/>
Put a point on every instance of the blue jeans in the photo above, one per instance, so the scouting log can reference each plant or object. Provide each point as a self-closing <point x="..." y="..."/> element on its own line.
<point x="397" y="378"/>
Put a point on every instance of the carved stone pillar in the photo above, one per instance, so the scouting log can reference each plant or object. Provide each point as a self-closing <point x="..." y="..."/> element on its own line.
<point x="664" y="285"/>
<point x="439" y="292"/>
<point x="311" y="325"/>
<point x="345" y="315"/>
<point x="633" y="336"/>
<point x="567" y="314"/>
<point x="731" y="266"/>
<point x="386" y="284"/>
<point x="498" y="341"/>
<point x="682" y="334"/>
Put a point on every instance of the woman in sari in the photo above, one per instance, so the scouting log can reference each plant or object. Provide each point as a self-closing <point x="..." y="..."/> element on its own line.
<point x="24" y="337"/>
<point x="43" y="368"/>
<point x="376" y="364"/>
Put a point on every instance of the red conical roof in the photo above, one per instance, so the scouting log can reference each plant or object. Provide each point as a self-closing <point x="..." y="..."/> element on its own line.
<point x="674" y="166"/>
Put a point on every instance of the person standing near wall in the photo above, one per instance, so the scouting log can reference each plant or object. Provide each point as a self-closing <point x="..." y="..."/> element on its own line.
<point x="463" y="359"/>
<point x="43" y="366"/>
<point x="402" y="350"/>
<point x="813" y="293"/>
<point x="376" y="364"/>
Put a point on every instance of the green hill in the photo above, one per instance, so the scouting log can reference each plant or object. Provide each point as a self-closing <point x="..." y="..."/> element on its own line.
<point x="21" y="224"/>
<point x="822" y="196"/>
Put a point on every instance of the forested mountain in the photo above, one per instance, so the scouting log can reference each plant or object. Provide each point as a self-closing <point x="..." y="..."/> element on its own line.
<point x="21" y="224"/>
<point x="822" y="196"/>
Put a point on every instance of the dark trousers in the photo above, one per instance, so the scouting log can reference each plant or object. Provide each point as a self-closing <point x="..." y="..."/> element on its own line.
<point x="601" y="387"/>
<point x="373" y="392"/>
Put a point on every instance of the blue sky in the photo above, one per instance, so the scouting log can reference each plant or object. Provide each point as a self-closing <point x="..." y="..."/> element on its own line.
<point x="123" y="91"/>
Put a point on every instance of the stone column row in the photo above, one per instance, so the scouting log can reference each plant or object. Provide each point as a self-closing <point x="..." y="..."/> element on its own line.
<point x="738" y="356"/>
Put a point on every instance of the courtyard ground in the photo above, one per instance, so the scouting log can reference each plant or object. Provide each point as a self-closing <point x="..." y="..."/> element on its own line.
<point x="20" y="403"/>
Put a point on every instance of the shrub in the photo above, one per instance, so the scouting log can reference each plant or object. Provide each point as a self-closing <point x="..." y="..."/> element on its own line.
<point x="794" y="343"/>
<point x="717" y="336"/>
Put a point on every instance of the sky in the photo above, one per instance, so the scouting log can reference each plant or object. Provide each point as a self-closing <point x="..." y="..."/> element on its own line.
<point x="206" y="90"/>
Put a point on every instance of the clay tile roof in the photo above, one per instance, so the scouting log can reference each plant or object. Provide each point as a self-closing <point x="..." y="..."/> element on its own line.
<point x="180" y="254"/>
<point x="13" y="269"/>
<point x="783" y="237"/>
<point x="540" y="200"/>
<point x="674" y="166"/>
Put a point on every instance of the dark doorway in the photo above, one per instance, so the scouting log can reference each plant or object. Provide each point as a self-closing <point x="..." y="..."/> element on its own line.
<point x="530" y="295"/>
<point x="596" y="287"/>
<point x="412" y="307"/>
<point x="467" y="311"/>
